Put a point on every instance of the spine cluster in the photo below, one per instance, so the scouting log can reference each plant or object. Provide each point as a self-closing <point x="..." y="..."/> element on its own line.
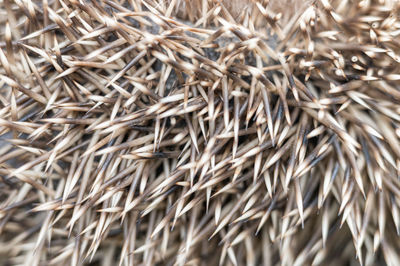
<point x="139" y="133"/>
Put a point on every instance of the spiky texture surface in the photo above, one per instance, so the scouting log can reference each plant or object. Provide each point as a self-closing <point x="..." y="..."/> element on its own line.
<point x="226" y="135"/>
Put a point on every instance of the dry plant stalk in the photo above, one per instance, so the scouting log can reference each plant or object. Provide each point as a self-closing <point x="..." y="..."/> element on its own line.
<point x="207" y="132"/>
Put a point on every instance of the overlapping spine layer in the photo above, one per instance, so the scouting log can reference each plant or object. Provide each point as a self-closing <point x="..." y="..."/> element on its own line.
<point x="132" y="134"/>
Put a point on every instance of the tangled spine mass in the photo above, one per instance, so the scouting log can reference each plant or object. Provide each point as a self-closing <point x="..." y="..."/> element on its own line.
<point x="153" y="132"/>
